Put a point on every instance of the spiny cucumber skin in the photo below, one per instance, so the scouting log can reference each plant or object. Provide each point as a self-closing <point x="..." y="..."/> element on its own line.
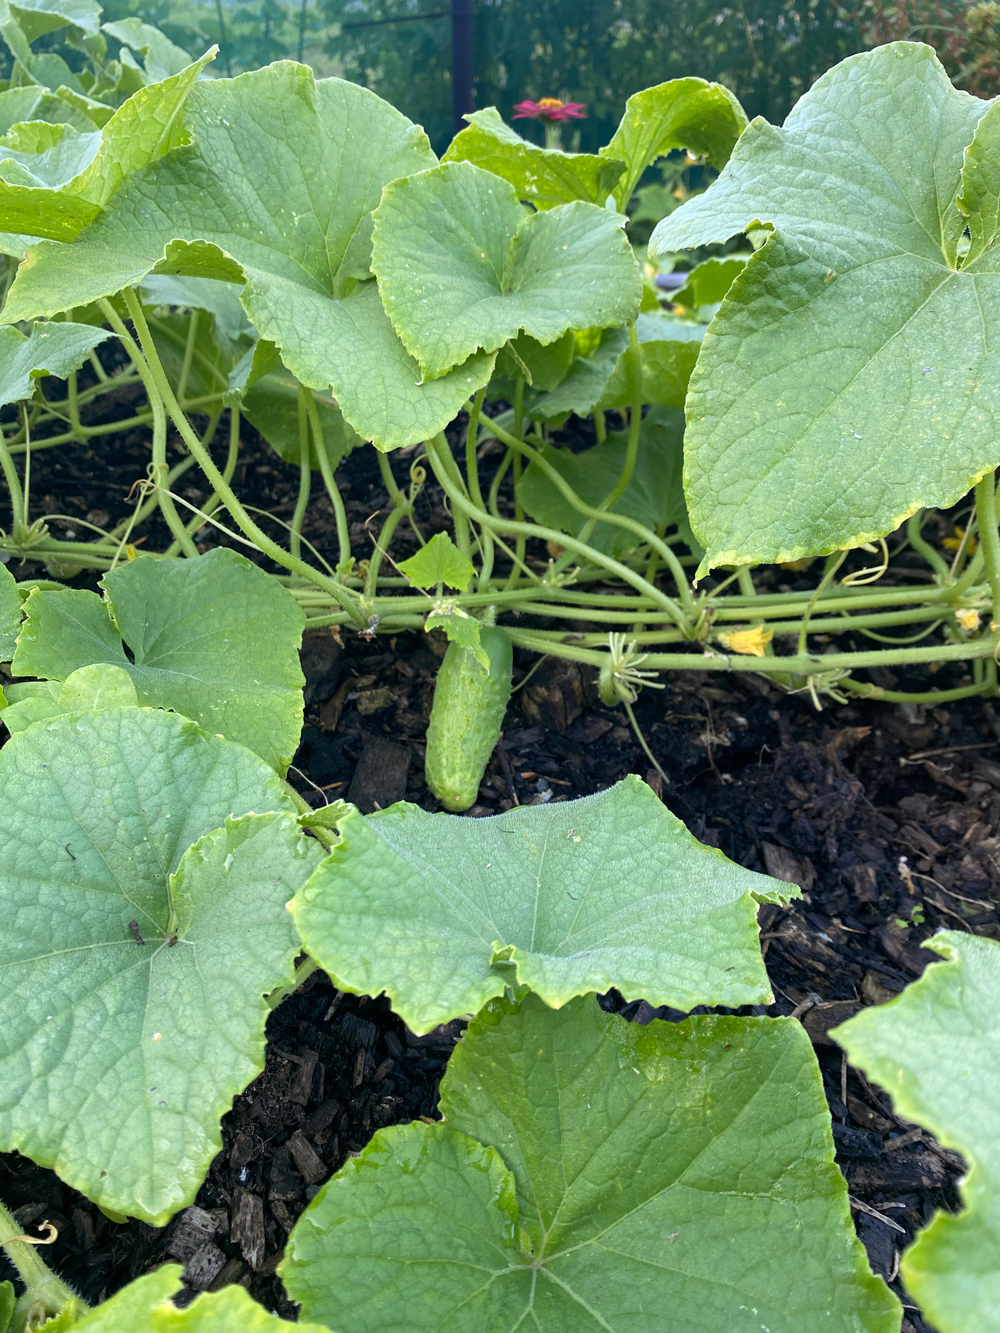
<point x="466" y="718"/>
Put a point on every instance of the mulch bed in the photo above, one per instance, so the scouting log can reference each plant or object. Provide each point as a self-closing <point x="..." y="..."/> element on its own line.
<point x="886" y="816"/>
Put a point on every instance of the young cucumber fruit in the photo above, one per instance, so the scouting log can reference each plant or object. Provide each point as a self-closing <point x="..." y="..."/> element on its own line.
<point x="466" y="717"/>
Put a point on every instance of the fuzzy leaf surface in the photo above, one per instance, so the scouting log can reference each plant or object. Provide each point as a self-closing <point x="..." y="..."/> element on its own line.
<point x="683" y="113"/>
<point x="50" y="349"/>
<point x="10" y="614"/>
<point x="463" y="266"/>
<point x="611" y="890"/>
<point x="544" y="177"/>
<point x="936" y="1051"/>
<point x="826" y="407"/>
<point x="144" y="1306"/>
<point x="654" y="495"/>
<point x="680" y="1167"/>
<point x="274" y="191"/>
<point x="213" y="637"/>
<point x="117" y="1059"/>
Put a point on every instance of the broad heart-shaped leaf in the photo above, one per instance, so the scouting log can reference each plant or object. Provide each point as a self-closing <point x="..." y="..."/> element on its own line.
<point x="117" y="1059"/>
<point x="462" y="266"/>
<point x="440" y="561"/>
<point x="145" y="127"/>
<point x="826" y="405"/>
<point x="443" y="913"/>
<point x="654" y="495"/>
<point x="50" y="349"/>
<point x="684" y="113"/>
<point x="669" y="1177"/>
<point x="274" y="191"/>
<point x="213" y="637"/>
<point x="936" y="1051"/>
<point x="144" y="1306"/>
<point x="544" y="177"/>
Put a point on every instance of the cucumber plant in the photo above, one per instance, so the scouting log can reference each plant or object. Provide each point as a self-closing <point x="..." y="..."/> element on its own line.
<point x="319" y="270"/>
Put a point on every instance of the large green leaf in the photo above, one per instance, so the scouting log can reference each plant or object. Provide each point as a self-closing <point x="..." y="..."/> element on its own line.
<point x="586" y="379"/>
<point x="654" y="495"/>
<point x="140" y="132"/>
<point x="668" y="350"/>
<point x="213" y="637"/>
<point x="828" y="404"/>
<point x="544" y="177"/>
<point x="117" y="1058"/>
<point x="936" y="1051"/>
<point x="463" y="266"/>
<point x="275" y="191"/>
<point x="442" y="912"/>
<point x="672" y="1177"/>
<point x="50" y="349"/>
<point x="37" y="17"/>
<point x="88" y="689"/>
<point x="144" y="1306"/>
<point x="684" y="113"/>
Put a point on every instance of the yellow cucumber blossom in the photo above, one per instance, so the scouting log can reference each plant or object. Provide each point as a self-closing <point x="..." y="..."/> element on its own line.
<point x="968" y="619"/>
<point x="749" y="642"/>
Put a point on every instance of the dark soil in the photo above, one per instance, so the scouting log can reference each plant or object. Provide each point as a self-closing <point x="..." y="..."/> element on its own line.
<point x="886" y="816"/>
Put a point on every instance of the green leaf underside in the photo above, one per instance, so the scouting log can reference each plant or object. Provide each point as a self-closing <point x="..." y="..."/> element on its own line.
<point x="440" y="561"/>
<point x="145" y="127"/>
<point x="826" y="406"/>
<point x="709" y="282"/>
<point x="611" y="890"/>
<point x="544" y="177"/>
<point x="144" y="1306"/>
<point x="118" y="1059"/>
<point x="274" y="190"/>
<point x="37" y="17"/>
<point x="684" y="113"/>
<point x="50" y="349"/>
<point x="684" y="1168"/>
<point x="212" y="637"/>
<point x="161" y="57"/>
<point x="32" y="102"/>
<point x="586" y="379"/>
<point x="463" y="266"/>
<point x="654" y="495"/>
<point x="936" y="1050"/>
<point x="39" y="153"/>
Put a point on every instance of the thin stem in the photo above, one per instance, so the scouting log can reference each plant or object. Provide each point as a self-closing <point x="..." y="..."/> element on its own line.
<point x="260" y="539"/>
<point x="159" y="467"/>
<point x="13" y="485"/>
<point x="41" y="1284"/>
<point x="192" y="337"/>
<point x="833" y="563"/>
<point x="381" y="548"/>
<point x="633" y="379"/>
<point x="437" y="447"/>
<point x="332" y="489"/>
<point x="305" y="475"/>
<point x="989" y="538"/>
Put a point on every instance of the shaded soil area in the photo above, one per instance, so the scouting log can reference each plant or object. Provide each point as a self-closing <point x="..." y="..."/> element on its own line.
<point x="886" y="816"/>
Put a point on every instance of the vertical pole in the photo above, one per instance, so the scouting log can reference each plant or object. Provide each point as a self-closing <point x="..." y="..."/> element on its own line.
<point x="461" y="60"/>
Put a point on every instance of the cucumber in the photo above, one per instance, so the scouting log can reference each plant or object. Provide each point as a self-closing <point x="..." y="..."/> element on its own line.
<point x="466" y="717"/>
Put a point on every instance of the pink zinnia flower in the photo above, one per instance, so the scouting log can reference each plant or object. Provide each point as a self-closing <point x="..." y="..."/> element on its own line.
<point x="550" y="109"/>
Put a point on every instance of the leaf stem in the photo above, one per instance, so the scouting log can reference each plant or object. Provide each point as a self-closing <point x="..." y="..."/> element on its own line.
<point x="40" y="1283"/>
<point x="989" y="538"/>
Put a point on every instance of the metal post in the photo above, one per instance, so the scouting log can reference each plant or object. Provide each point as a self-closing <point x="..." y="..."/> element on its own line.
<point x="461" y="60"/>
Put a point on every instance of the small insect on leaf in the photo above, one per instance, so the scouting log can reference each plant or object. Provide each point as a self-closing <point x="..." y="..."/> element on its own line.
<point x="134" y="928"/>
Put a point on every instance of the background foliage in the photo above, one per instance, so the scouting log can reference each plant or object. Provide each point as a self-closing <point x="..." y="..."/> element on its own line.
<point x="594" y="51"/>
